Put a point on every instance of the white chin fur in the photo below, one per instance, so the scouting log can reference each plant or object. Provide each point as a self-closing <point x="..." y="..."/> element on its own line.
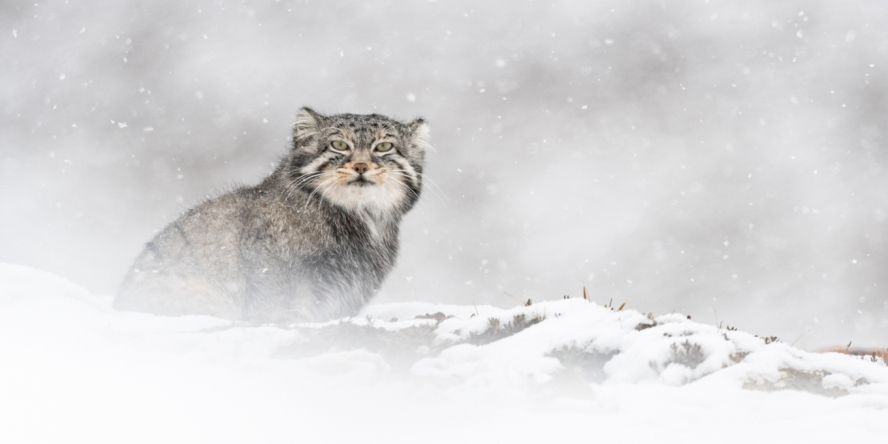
<point x="382" y="196"/>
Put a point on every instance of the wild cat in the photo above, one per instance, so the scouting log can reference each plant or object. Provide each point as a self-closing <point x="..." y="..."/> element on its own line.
<point x="312" y="242"/>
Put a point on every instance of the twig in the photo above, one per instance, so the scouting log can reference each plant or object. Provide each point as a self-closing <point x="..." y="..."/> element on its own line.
<point x="621" y="306"/>
<point x="476" y="308"/>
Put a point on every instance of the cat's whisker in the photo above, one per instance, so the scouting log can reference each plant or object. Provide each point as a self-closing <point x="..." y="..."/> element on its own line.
<point x="317" y="188"/>
<point x="408" y="189"/>
<point x="294" y="185"/>
<point x="429" y="179"/>
<point x="422" y="177"/>
<point x="306" y="178"/>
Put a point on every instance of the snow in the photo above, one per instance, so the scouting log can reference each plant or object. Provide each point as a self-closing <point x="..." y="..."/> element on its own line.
<point x="74" y="370"/>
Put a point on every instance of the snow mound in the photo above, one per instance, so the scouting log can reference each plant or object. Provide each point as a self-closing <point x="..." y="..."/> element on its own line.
<point x="74" y="370"/>
<point x="533" y="345"/>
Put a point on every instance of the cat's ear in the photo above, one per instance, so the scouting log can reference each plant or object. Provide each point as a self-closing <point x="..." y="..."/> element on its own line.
<point x="307" y="126"/>
<point x="419" y="134"/>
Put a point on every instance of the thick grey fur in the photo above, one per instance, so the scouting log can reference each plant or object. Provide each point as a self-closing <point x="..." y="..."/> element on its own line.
<point x="301" y="245"/>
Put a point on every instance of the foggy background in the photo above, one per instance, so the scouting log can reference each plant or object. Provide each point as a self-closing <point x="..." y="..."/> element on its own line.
<point x="691" y="156"/>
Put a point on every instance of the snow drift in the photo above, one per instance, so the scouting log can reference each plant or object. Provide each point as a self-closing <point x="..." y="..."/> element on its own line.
<point x="75" y="370"/>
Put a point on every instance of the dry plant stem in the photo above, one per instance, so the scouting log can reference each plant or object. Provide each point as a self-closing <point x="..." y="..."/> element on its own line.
<point x="800" y="337"/>
<point x="513" y="297"/>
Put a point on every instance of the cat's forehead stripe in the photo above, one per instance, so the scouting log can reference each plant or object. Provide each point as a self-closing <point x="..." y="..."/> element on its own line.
<point x="353" y="132"/>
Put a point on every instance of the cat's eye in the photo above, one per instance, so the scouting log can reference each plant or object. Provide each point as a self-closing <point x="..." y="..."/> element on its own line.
<point x="384" y="147"/>
<point x="339" y="145"/>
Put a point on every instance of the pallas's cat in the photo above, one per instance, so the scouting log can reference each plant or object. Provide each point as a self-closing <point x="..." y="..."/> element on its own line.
<point x="312" y="242"/>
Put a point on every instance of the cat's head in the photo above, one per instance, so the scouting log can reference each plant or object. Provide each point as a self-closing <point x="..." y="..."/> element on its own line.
<point x="358" y="161"/>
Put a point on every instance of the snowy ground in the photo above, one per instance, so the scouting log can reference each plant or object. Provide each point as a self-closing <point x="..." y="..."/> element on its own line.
<point x="74" y="370"/>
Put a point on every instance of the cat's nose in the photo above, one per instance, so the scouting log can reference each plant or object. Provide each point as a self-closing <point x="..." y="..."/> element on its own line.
<point x="361" y="168"/>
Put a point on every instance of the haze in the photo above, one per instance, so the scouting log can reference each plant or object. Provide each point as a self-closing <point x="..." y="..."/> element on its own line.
<point x="720" y="159"/>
